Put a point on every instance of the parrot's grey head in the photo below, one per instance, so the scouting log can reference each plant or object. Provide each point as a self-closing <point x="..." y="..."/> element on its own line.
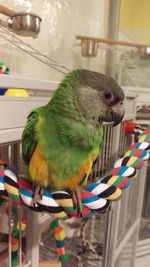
<point x="100" y="97"/>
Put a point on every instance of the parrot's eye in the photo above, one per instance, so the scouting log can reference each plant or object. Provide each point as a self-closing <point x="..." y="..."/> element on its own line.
<point x="108" y="95"/>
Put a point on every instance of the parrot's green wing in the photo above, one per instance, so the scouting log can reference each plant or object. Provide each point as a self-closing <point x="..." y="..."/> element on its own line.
<point x="29" y="137"/>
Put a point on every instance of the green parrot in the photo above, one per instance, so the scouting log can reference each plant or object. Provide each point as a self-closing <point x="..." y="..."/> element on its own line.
<point x="62" y="139"/>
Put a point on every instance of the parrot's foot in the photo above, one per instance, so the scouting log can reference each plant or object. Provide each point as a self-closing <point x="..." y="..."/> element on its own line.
<point x="37" y="195"/>
<point x="76" y="198"/>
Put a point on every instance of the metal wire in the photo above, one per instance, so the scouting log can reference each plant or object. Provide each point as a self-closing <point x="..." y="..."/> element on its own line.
<point x="10" y="229"/>
<point x="20" y="235"/>
<point x="28" y="49"/>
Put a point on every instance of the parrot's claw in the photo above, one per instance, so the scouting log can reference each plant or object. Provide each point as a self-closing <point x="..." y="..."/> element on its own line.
<point x="37" y="195"/>
<point x="76" y="198"/>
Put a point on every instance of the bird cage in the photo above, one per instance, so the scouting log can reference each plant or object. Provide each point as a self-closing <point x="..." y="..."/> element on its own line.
<point x="143" y="119"/>
<point x="124" y="223"/>
<point x="123" y="220"/>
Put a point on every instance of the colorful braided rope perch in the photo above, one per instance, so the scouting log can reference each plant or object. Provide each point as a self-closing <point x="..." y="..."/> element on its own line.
<point x="95" y="196"/>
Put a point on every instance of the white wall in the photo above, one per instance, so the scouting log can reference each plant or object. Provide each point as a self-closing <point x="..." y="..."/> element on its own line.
<point x="61" y="21"/>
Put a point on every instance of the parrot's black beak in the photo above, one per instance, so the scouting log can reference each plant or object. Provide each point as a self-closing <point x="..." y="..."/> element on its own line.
<point x="115" y="114"/>
<point x="117" y="111"/>
<point x="117" y="118"/>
